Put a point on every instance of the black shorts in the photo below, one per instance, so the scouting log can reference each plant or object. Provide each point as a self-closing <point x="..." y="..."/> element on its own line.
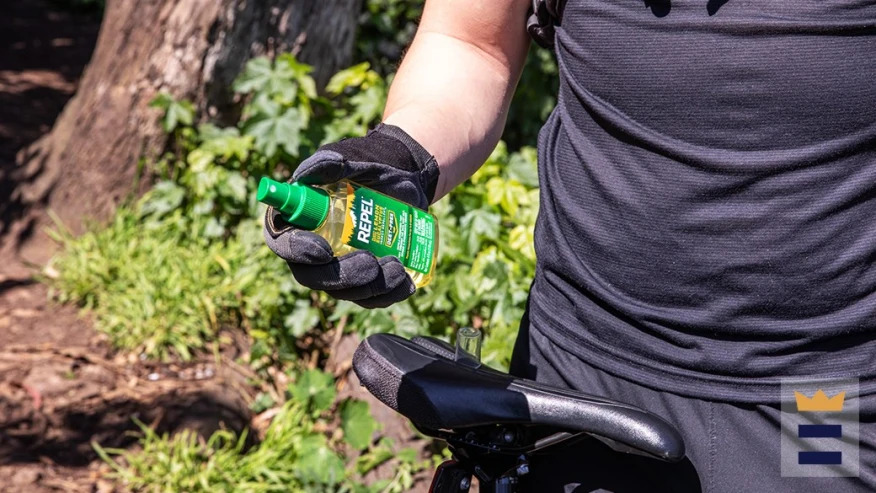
<point x="730" y="447"/>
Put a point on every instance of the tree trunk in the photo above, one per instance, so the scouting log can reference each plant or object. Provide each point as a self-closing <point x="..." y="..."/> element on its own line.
<point x="192" y="49"/>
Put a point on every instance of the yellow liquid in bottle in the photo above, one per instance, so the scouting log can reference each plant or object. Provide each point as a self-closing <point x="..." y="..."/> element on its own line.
<point x="333" y="227"/>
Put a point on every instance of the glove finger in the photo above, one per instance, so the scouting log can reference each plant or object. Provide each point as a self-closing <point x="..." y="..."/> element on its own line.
<point x="328" y="166"/>
<point x="298" y="246"/>
<point x="322" y="167"/>
<point x="392" y="274"/>
<point x="400" y="293"/>
<point x="347" y="272"/>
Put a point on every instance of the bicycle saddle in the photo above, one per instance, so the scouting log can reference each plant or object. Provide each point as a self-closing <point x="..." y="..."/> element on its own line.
<point x="421" y="380"/>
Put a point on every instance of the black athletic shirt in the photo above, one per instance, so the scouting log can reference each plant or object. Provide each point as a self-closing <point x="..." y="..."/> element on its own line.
<point x="708" y="207"/>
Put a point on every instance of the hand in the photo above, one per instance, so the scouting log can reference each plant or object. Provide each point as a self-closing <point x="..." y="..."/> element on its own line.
<point x="387" y="160"/>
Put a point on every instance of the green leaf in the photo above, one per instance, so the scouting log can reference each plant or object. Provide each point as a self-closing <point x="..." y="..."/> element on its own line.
<point x="354" y="76"/>
<point x="262" y="104"/>
<point x="368" y="105"/>
<point x="291" y="68"/>
<point x="308" y="87"/>
<point x="357" y="423"/>
<point x="164" y="197"/>
<point x="235" y="187"/>
<point x="407" y="454"/>
<point x="262" y="402"/>
<point x="375" y="456"/>
<point x="226" y="142"/>
<point x="272" y="132"/>
<point x="479" y="224"/>
<point x="214" y="228"/>
<point x="523" y="168"/>
<point x="175" y="112"/>
<point x="161" y="101"/>
<point x="257" y="76"/>
<point x="200" y="160"/>
<point x="314" y="387"/>
<point x="280" y="80"/>
<point x="302" y="318"/>
<point x="317" y="463"/>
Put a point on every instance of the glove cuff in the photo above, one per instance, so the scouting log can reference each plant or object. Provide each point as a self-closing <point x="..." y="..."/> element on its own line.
<point x="422" y="160"/>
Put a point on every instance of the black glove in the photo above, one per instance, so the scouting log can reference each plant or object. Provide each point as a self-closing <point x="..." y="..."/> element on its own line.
<point x="387" y="160"/>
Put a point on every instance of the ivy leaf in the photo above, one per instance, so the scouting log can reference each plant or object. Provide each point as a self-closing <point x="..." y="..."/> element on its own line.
<point x="340" y="128"/>
<point x="491" y="271"/>
<point x="262" y="402"/>
<point x="175" y="112"/>
<point x="479" y="224"/>
<point x="523" y="167"/>
<point x="214" y="228"/>
<point x="357" y="423"/>
<point x="226" y="142"/>
<point x="272" y="132"/>
<point x="375" y="456"/>
<point x="235" y="187"/>
<point x="508" y="194"/>
<point x="200" y="160"/>
<point x="161" y="101"/>
<point x="374" y="321"/>
<point x="164" y="197"/>
<point x="521" y="239"/>
<point x="254" y="77"/>
<point x="209" y="131"/>
<point x="302" y="318"/>
<point x="203" y="207"/>
<point x="262" y="104"/>
<point x="260" y="76"/>
<point x="292" y="68"/>
<point x="316" y="388"/>
<point x="354" y="76"/>
<point x="368" y="105"/>
<point x="300" y="72"/>
<point x="280" y="79"/>
<point x="317" y="463"/>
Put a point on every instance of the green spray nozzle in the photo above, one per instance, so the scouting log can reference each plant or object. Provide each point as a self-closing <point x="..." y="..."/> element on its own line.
<point x="301" y="205"/>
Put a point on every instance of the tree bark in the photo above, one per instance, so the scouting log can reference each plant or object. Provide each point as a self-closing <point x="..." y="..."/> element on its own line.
<point x="192" y="49"/>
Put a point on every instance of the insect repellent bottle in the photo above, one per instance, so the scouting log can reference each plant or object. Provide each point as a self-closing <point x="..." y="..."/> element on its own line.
<point x="352" y="217"/>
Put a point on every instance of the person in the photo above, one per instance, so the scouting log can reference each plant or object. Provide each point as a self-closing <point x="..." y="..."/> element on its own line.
<point x="706" y="224"/>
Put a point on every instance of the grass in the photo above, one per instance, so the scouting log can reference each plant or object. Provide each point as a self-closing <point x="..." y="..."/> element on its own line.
<point x="290" y="458"/>
<point x="158" y="289"/>
<point x="293" y="456"/>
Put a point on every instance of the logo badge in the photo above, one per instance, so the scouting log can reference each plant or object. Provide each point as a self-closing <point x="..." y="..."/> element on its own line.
<point x="820" y="428"/>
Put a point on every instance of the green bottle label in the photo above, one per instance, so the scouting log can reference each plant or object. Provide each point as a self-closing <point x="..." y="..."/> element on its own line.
<point x="385" y="226"/>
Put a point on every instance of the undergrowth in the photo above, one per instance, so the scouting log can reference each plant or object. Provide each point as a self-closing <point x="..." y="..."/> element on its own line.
<point x="293" y="455"/>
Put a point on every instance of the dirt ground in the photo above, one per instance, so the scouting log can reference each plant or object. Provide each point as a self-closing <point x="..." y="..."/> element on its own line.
<point x="43" y="51"/>
<point x="61" y="388"/>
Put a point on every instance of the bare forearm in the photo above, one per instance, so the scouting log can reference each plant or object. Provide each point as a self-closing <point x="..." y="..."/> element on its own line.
<point x="452" y="92"/>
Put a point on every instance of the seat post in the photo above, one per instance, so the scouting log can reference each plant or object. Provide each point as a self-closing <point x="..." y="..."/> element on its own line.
<point x="501" y="485"/>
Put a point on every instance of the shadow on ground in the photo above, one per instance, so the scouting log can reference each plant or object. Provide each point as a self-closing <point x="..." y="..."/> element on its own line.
<point x="55" y="403"/>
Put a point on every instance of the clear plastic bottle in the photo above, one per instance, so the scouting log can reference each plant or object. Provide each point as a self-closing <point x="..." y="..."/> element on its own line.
<point x="352" y="217"/>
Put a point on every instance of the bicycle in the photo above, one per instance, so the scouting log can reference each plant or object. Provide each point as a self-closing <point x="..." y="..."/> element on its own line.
<point x="494" y="422"/>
